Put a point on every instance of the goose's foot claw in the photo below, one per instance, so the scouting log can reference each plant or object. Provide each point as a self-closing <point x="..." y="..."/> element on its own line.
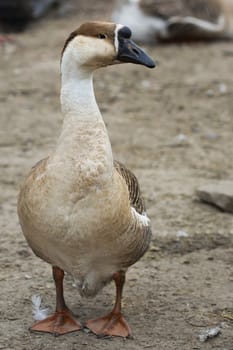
<point x="57" y="324"/>
<point x="112" y="324"/>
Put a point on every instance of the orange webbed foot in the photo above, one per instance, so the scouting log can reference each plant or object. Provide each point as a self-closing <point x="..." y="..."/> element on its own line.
<point x="112" y="324"/>
<point x="59" y="323"/>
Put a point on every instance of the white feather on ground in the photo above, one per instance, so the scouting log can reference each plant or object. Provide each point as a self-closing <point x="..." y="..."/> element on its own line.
<point x="38" y="312"/>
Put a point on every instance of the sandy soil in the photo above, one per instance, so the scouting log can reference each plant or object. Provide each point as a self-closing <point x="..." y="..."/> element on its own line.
<point x="182" y="285"/>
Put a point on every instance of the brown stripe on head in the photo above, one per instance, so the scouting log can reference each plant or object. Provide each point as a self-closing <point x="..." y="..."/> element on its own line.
<point x="94" y="30"/>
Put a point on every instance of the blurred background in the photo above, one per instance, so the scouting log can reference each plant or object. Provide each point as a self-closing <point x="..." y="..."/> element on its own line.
<point x="173" y="127"/>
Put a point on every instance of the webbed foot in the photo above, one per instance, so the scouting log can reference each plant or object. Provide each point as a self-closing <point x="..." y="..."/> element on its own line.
<point x="112" y="324"/>
<point x="59" y="323"/>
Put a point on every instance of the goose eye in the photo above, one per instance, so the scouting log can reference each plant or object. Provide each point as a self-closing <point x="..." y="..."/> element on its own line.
<point x="102" y="36"/>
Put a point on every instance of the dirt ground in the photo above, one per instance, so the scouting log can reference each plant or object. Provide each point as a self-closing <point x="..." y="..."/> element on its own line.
<point x="173" y="127"/>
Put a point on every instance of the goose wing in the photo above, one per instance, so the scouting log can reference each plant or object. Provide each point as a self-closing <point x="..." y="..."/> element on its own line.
<point x="208" y="10"/>
<point x="135" y="196"/>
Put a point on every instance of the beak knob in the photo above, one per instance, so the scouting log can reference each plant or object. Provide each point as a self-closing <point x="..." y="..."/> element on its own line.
<point x="128" y="51"/>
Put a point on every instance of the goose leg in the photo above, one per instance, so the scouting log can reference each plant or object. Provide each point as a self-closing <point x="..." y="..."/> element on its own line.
<point x="62" y="321"/>
<point x="112" y="324"/>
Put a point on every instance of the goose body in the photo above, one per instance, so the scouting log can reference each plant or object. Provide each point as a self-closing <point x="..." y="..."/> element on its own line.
<point x="165" y="20"/>
<point x="79" y="210"/>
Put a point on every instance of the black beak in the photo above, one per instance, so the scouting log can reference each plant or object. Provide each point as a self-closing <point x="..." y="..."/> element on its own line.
<point x="128" y="51"/>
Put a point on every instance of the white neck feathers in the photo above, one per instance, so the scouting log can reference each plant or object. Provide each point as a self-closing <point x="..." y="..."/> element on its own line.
<point x="83" y="144"/>
<point x="77" y="93"/>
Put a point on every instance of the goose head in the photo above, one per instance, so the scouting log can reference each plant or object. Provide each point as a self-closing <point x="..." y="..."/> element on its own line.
<point x="98" y="44"/>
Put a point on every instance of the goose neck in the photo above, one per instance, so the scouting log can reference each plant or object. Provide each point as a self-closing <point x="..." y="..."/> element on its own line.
<point x="77" y="95"/>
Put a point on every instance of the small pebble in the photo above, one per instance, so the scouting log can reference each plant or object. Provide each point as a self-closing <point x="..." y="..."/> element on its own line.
<point x="222" y="88"/>
<point x="209" y="333"/>
<point x="146" y="83"/>
<point x="181" y="234"/>
<point x="212" y="135"/>
<point x="210" y="93"/>
<point x="181" y="138"/>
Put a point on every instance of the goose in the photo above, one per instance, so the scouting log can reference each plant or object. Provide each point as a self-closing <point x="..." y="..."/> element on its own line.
<point x="166" y="20"/>
<point x="80" y="210"/>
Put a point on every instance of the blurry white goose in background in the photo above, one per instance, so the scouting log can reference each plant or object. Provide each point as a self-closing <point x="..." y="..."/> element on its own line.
<point x="167" y="20"/>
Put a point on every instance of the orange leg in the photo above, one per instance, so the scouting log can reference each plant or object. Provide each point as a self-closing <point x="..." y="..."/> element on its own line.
<point x="62" y="321"/>
<point x="112" y="324"/>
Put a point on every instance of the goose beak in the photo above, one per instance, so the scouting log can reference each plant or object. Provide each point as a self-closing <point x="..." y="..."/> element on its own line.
<point x="128" y="51"/>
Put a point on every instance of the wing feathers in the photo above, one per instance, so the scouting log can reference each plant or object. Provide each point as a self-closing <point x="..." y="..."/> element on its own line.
<point x="136" y="199"/>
